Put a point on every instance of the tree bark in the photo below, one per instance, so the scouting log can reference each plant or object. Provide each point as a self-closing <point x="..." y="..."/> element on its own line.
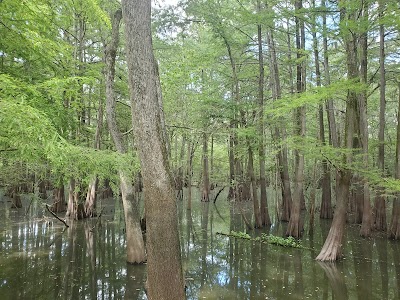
<point x="330" y="109"/>
<point x="234" y="161"/>
<point x="265" y="219"/>
<point x="254" y="194"/>
<point x="332" y="248"/>
<point x="15" y="198"/>
<point x="380" y="199"/>
<point x="179" y="178"/>
<point x="135" y="248"/>
<point x="189" y="175"/>
<point x="366" y="225"/>
<point x="394" y="228"/>
<point x="164" y="268"/>
<point x="75" y="209"/>
<point x="58" y="199"/>
<point x="326" y="201"/>
<point x="280" y="133"/>
<point x="205" y="195"/>
<point x="91" y="196"/>
<point x="295" y="226"/>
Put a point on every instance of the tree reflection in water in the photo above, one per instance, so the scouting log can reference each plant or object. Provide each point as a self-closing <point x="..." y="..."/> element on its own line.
<point x="39" y="259"/>
<point x="336" y="280"/>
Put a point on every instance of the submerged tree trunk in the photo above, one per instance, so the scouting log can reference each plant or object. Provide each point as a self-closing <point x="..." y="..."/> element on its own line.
<point x="42" y="189"/>
<point x="135" y="248"/>
<point x="91" y="197"/>
<point x="332" y="248"/>
<point x="15" y="198"/>
<point x="254" y="194"/>
<point x="58" y="199"/>
<point x="75" y="210"/>
<point x="164" y="268"/>
<point x="70" y="204"/>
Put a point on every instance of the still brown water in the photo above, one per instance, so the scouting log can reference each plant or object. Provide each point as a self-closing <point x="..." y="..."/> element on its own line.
<point x="39" y="259"/>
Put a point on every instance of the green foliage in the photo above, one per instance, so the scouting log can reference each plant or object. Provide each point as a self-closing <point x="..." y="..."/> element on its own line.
<point x="240" y="235"/>
<point x="280" y="241"/>
<point x="50" y="85"/>
<point x="31" y="137"/>
<point x="290" y="242"/>
<point x="314" y="96"/>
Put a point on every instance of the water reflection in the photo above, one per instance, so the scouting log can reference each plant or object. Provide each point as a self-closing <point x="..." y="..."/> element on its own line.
<point x="40" y="259"/>
<point x="336" y="280"/>
<point x="396" y="259"/>
<point x="381" y="246"/>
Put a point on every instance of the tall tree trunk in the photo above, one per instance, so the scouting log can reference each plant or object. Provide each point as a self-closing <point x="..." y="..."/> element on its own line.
<point x="205" y="195"/>
<point x="380" y="199"/>
<point x="135" y="248"/>
<point x="58" y="199"/>
<point x="254" y="194"/>
<point x="330" y="109"/>
<point x="295" y="226"/>
<point x="179" y="179"/>
<point x="91" y="196"/>
<point x="394" y="228"/>
<point x="212" y="184"/>
<point x="366" y="225"/>
<point x="265" y="219"/>
<point x="164" y="267"/>
<point x="234" y="160"/>
<point x="189" y="175"/>
<point x="15" y="198"/>
<point x="332" y="248"/>
<point x="326" y="201"/>
<point x="231" y="151"/>
<point x="280" y="134"/>
<point x="75" y="210"/>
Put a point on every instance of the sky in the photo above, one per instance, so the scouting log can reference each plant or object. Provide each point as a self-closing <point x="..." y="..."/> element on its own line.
<point x="168" y="2"/>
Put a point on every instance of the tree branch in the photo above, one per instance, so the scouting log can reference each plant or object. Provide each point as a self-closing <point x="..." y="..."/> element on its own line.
<point x="55" y="216"/>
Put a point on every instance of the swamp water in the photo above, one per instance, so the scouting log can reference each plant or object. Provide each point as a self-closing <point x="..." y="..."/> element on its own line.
<point x="40" y="259"/>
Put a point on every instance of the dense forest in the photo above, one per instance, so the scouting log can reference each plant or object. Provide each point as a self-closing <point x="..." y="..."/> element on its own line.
<point x="297" y="97"/>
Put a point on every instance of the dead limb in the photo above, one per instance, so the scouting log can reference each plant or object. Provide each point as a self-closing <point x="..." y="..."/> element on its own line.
<point x="55" y="216"/>
<point x="219" y="192"/>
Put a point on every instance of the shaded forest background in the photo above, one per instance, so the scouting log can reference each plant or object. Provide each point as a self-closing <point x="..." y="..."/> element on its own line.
<point x="299" y="96"/>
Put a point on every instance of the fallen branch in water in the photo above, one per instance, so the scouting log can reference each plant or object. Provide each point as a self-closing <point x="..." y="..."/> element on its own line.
<point x="55" y="216"/>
